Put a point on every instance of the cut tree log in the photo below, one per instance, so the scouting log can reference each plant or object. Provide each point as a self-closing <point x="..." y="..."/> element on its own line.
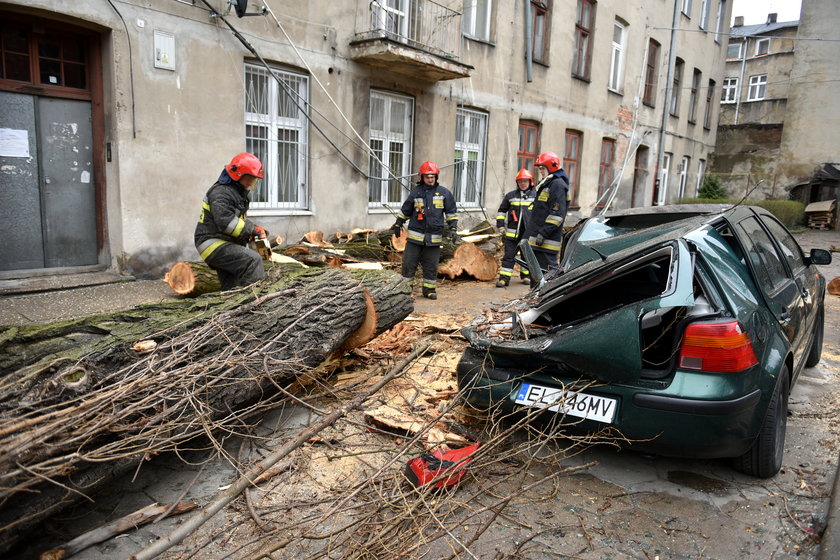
<point x="192" y="279"/>
<point x="78" y="407"/>
<point x="469" y="260"/>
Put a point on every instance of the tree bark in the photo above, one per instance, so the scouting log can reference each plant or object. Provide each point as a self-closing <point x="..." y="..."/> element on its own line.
<point x="78" y="406"/>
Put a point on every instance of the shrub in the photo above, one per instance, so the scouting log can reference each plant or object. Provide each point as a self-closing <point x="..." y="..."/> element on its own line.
<point x="711" y="188"/>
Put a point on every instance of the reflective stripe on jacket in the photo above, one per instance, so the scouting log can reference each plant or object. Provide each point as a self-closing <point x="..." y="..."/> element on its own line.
<point x="515" y="212"/>
<point x="430" y="210"/>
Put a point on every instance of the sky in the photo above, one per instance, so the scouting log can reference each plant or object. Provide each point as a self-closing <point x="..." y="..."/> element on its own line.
<point x="755" y="11"/>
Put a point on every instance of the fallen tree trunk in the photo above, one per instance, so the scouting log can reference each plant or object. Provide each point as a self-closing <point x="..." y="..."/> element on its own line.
<point x="82" y="407"/>
<point x="469" y="260"/>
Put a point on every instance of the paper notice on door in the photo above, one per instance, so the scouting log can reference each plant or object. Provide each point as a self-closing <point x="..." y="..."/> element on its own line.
<point x="14" y="143"/>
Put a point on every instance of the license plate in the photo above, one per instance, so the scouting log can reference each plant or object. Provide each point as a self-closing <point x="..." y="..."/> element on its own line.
<point x="581" y="405"/>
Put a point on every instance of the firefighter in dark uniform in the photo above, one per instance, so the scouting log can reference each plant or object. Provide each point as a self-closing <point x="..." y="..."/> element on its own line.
<point x="430" y="211"/>
<point x="544" y="231"/>
<point x="511" y="220"/>
<point x="223" y="230"/>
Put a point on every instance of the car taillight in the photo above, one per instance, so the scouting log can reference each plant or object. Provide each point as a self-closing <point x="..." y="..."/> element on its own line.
<point x="723" y="347"/>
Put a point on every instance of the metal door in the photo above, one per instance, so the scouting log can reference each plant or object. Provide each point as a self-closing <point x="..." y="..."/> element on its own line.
<point x="49" y="209"/>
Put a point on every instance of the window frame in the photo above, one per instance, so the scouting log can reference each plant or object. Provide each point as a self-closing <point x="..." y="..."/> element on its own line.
<point x="470" y="23"/>
<point x="674" y="109"/>
<point x="707" y="116"/>
<point x="460" y="182"/>
<point x="571" y="162"/>
<point x="651" y="73"/>
<point x="701" y="170"/>
<point x="696" y="80"/>
<point x="729" y="90"/>
<point x="387" y="184"/>
<point x="740" y="45"/>
<point x="720" y="15"/>
<point x="684" y="165"/>
<point x="541" y="8"/>
<point x="606" y="167"/>
<point x="584" y="29"/>
<point x="615" y="81"/>
<point x="757" y="91"/>
<point x="524" y="158"/>
<point x="758" y="43"/>
<point x="664" y="175"/>
<point x="704" y="14"/>
<point x="685" y="8"/>
<point x="279" y="196"/>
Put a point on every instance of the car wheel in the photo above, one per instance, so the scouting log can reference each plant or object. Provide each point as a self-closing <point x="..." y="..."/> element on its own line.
<point x="816" y="341"/>
<point x="764" y="458"/>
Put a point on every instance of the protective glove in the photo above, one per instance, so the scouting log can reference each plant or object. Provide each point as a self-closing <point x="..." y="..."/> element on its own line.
<point x="453" y="235"/>
<point x="260" y="232"/>
<point x="539" y="239"/>
<point x="396" y="229"/>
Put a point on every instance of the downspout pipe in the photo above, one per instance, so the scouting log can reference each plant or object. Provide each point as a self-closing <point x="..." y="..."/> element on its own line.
<point x="529" y="44"/>
<point x="741" y="83"/>
<point x="666" y="107"/>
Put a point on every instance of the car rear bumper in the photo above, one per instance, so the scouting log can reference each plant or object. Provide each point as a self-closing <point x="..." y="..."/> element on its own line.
<point x="657" y="423"/>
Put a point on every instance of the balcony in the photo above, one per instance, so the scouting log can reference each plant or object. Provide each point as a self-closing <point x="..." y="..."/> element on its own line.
<point x="417" y="38"/>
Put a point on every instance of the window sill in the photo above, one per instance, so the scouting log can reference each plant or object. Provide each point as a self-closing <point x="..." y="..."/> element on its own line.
<point x="648" y="104"/>
<point x="584" y="79"/>
<point x="279" y="212"/>
<point x="487" y="42"/>
<point x="615" y="91"/>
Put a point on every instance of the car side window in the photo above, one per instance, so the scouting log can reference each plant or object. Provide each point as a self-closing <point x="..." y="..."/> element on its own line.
<point x="790" y="248"/>
<point x="766" y="262"/>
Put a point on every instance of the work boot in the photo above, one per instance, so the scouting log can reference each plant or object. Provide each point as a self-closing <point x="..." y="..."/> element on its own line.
<point x="431" y="294"/>
<point x="525" y="280"/>
<point x="502" y="283"/>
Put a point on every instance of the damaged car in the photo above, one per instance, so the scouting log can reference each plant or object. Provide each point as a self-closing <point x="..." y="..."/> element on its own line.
<point x="682" y="329"/>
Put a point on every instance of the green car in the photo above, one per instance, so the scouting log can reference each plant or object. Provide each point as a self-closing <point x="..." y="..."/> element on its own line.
<point x="683" y="328"/>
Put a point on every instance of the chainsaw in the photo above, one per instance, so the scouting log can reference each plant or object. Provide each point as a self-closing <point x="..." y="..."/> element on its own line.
<point x="428" y="467"/>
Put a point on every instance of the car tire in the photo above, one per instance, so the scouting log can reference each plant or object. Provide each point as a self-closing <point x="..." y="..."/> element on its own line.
<point x="764" y="458"/>
<point x="816" y="341"/>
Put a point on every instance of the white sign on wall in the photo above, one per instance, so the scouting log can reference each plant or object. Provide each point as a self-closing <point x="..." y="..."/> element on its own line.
<point x="14" y="143"/>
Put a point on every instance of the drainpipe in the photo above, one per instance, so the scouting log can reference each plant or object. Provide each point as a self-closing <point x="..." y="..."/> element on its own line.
<point x="529" y="43"/>
<point x="741" y="79"/>
<point x="666" y="108"/>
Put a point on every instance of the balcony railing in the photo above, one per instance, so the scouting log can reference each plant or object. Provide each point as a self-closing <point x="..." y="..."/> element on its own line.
<point x="420" y="24"/>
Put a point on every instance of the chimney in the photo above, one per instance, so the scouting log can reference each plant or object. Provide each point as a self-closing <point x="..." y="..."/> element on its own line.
<point x="739" y="21"/>
<point x="771" y="18"/>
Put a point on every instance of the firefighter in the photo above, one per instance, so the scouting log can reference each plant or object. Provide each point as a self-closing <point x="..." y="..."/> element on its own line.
<point x="430" y="211"/>
<point x="223" y="230"/>
<point x="544" y="230"/>
<point x="511" y="220"/>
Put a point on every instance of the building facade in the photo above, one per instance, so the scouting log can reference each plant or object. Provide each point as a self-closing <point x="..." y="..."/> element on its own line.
<point x="118" y="115"/>
<point x="780" y="115"/>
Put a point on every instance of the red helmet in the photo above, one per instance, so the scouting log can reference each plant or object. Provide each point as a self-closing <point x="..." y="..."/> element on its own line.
<point x="429" y="168"/>
<point x="244" y="164"/>
<point x="550" y="160"/>
<point x="525" y="174"/>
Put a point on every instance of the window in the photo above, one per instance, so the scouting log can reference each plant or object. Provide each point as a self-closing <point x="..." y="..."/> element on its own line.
<point x="649" y="97"/>
<point x="606" y="172"/>
<point x="701" y="170"/>
<point x="675" y="88"/>
<point x="526" y="152"/>
<point x="583" y="31"/>
<point x="695" y="91"/>
<point x="710" y="94"/>
<point x="686" y="7"/>
<point x="758" y="87"/>
<point x="734" y="49"/>
<point x="686" y="162"/>
<point x="476" y="18"/>
<point x="571" y="162"/>
<point x="762" y="47"/>
<point x="617" y="58"/>
<point x="729" y="92"/>
<point x="704" y="14"/>
<point x="766" y="263"/>
<point x="391" y="118"/>
<point x="390" y="17"/>
<point x="790" y="248"/>
<point x="540" y="12"/>
<point x="276" y="132"/>
<point x="664" y="173"/>
<point x="721" y="13"/>
<point x="54" y="61"/>
<point x="470" y="146"/>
